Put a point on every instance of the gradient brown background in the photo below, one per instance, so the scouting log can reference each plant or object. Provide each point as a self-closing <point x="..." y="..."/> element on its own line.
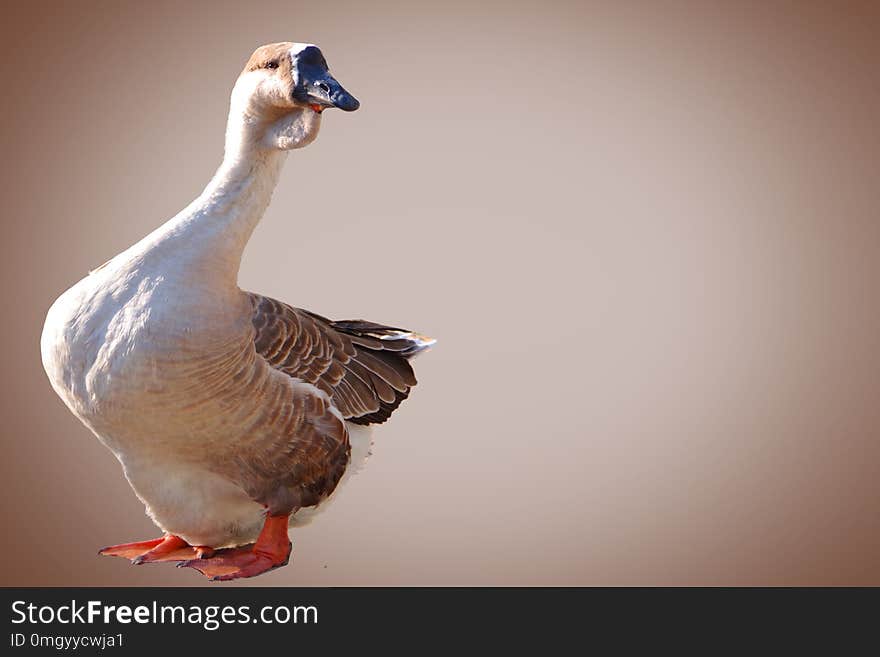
<point x="647" y="239"/>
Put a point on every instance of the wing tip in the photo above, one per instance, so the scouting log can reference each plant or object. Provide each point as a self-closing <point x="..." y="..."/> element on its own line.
<point x="419" y="343"/>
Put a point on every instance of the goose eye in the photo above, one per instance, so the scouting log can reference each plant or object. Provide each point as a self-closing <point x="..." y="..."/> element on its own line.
<point x="272" y="64"/>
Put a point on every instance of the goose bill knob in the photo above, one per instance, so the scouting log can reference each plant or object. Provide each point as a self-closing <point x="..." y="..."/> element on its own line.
<point x="313" y="84"/>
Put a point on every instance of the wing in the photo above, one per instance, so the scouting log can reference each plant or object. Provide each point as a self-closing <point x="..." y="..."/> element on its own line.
<point x="363" y="367"/>
<point x="300" y="462"/>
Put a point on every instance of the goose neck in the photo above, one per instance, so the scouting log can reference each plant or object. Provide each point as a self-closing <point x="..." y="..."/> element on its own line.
<point x="212" y="233"/>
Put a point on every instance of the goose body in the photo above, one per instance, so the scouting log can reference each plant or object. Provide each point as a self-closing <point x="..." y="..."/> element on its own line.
<point x="232" y="414"/>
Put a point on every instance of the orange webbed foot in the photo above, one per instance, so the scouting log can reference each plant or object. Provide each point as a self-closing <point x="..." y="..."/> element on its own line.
<point x="235" y="563"/>
<point x="272" y="550"/>
<point x="167" y="548"/>
<point x="130" y="550"/>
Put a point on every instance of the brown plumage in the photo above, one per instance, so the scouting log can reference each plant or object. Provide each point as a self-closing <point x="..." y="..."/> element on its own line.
<point x="362" y="366"/>
<point x="274" y="55"/>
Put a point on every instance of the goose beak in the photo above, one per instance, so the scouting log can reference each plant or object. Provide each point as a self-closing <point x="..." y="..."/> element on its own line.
<point x="314" y="86"/>
<point x="341" y="98"/>
<point x="324" y="92"/>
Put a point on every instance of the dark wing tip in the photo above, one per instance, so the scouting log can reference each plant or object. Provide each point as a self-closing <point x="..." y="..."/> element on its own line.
<point x="384" y="412"/>
<point x="385" y="351"/>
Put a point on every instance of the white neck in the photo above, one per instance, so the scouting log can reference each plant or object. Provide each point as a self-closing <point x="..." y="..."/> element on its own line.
<point x="207" y="238"/>
<point x="221" y="220"/>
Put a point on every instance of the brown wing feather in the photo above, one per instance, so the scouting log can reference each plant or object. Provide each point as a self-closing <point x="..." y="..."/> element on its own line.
<point x="362" y="366"/>
<point x="300" y="461"/>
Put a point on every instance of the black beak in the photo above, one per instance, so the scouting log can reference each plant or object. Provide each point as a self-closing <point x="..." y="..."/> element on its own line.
<point x="323" y="90"/>
<point x="340" y="97"/>
<point x="314" y="84"/>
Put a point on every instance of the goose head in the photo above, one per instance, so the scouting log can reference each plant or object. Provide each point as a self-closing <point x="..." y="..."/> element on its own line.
<point x="280" y="95"/>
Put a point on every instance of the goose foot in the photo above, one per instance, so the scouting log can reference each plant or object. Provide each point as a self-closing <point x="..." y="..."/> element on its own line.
<point x="272" y="550"/>
<point x="167" y="548"/>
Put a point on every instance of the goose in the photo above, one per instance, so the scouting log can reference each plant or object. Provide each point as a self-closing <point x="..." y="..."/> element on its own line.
<point x="234" y="416"/>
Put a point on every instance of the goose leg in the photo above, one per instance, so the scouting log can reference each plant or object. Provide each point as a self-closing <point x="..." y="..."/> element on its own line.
<point x="272" y="550"/>
<point x="167" y="548"/>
